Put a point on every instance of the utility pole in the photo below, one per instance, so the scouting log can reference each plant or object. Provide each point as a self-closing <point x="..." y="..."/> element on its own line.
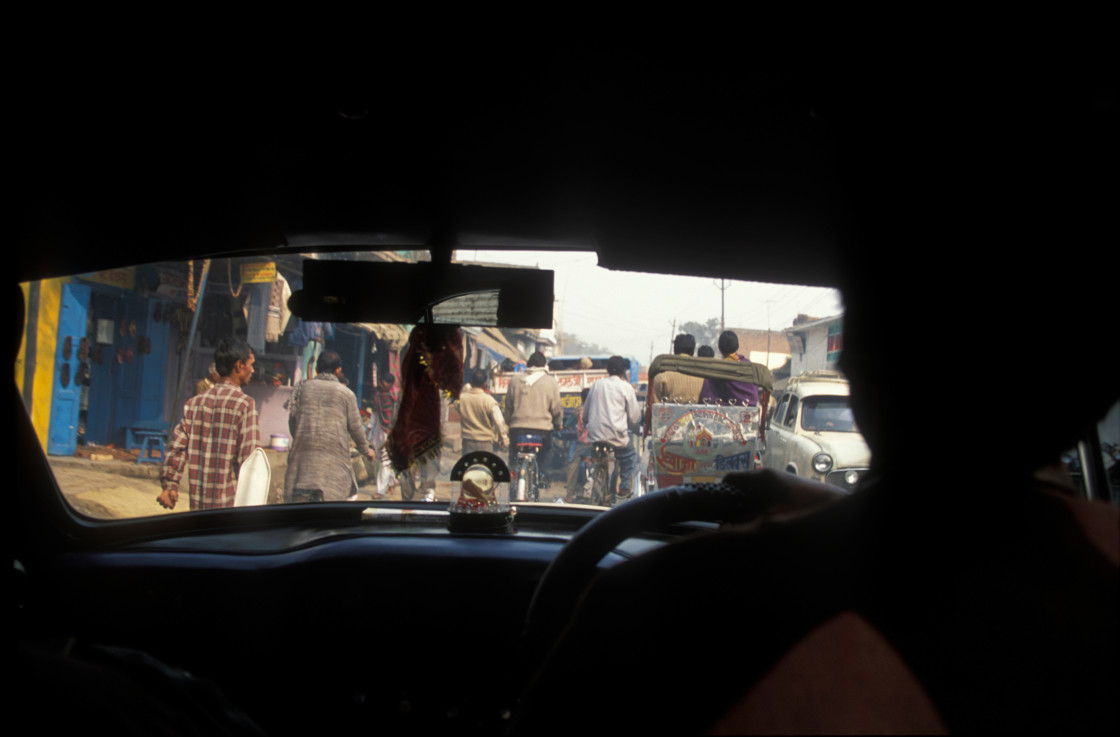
<point x="768" y="329"/>
<point x="722" y="291"/>
<point x="558" y="326"/>
<point x="768" y="333"/>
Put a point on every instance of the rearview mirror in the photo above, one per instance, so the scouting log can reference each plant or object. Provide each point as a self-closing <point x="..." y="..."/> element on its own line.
<point x="410" y="293"/>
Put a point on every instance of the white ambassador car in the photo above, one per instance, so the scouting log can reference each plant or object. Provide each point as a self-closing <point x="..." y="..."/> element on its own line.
<point x="813" y="433"/>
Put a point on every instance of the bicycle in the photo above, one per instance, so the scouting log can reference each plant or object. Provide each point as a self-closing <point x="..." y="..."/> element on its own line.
<point x="527" y="472"/>
<point x="601" y="492"/>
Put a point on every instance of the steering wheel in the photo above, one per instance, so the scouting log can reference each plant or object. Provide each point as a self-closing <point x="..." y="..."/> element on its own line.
<point x="571" y="570"/>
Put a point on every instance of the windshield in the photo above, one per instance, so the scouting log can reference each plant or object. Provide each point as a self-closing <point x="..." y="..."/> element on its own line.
<point x="827" y="414"/>
<point x="112" y="361"/>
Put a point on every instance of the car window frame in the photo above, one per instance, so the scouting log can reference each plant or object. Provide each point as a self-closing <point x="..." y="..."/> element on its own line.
<point x="792" y="412"/>
<point x="779" y="414"/>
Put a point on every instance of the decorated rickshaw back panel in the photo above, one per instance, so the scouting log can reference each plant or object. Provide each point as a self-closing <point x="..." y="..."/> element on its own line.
<point x="696" y="443"/>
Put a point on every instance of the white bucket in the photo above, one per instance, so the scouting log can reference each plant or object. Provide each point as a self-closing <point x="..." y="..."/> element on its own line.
<point x="281" y="442"/>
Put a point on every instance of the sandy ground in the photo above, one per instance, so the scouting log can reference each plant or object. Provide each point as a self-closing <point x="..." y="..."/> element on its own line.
<point x="114" y="489"/>
<point x="96" y="490"/>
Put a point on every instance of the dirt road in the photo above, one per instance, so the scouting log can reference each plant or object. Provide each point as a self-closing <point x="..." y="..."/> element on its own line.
<point x="120" y="489"/>
<point x="97" y="491"/>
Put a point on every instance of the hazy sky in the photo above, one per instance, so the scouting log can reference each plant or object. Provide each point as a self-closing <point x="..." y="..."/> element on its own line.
<point x="627" y="311"/>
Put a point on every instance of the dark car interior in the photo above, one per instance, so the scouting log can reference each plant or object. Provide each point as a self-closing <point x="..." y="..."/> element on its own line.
<point x="978" y="206"/>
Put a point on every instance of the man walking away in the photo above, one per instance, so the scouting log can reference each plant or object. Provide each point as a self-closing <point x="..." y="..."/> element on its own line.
<point x="218" y="431"/>
<point x="482" y="426"/>
<point x="323" y="419"/>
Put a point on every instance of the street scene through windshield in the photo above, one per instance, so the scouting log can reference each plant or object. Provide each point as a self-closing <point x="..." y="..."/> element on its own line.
<point x="169" y="387"/>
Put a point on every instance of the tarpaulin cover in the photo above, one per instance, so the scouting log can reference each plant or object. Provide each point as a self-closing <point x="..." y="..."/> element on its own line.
<point x="713" y="368"/>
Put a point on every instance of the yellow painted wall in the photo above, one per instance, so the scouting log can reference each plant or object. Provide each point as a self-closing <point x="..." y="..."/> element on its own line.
<point x="46" y="320"/>
<point x="20" y="360"/>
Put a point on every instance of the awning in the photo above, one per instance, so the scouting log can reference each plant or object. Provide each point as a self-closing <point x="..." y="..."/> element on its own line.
<point x="493" y="340"/>
<point x="395" y="335"/>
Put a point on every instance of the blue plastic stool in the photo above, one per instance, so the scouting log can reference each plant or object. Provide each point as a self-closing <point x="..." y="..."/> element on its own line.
<point x="150" y="440"/>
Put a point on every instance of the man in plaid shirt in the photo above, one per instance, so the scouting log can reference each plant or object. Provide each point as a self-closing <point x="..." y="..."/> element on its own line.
<point x="218" y="431"/>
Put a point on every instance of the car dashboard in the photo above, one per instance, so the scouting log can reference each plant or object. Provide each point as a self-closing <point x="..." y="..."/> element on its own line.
<point x="355" y="619"/>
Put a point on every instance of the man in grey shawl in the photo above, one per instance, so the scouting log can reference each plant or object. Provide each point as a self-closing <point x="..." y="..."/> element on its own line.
<point x="323" y="419"/>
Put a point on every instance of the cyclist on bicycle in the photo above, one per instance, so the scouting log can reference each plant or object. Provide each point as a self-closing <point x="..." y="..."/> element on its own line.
<point x="482" y="425"/>
<point x="532" y="406"/>
<point x="611" y="413"/>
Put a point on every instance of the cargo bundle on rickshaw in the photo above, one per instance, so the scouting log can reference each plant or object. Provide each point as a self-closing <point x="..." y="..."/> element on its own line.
<point x="690" y="442"/>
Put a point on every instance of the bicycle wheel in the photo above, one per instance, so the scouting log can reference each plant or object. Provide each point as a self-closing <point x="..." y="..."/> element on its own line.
<point x="533" y="480"/>
<point x="522" y="481"/>
<point x="599" y="484"/>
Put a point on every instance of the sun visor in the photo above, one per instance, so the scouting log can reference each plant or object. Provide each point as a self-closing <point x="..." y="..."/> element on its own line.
<point x="409" y="293"/>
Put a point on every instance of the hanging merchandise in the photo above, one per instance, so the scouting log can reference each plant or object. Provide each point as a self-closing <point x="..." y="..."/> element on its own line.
<point x="300" y="333"/>
<point x="395" y="370"/>
<point x="192" y="298"/>
<point x="316" y="347"/>
<point x="294" y="330"/>
<point x="310" y="355"/>
<point x="235" y="293"/>
<point x="257" y="315"/>
<point x="278" y="313"/>
<point x="182" y="318"/>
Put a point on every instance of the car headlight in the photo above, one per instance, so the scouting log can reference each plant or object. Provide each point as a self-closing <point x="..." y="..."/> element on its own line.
<point x="851" y="478"/>
<point x="822" y="463"/>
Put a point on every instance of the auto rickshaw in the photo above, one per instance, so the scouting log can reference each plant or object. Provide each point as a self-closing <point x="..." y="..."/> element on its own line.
<point x="695" y="442"/>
